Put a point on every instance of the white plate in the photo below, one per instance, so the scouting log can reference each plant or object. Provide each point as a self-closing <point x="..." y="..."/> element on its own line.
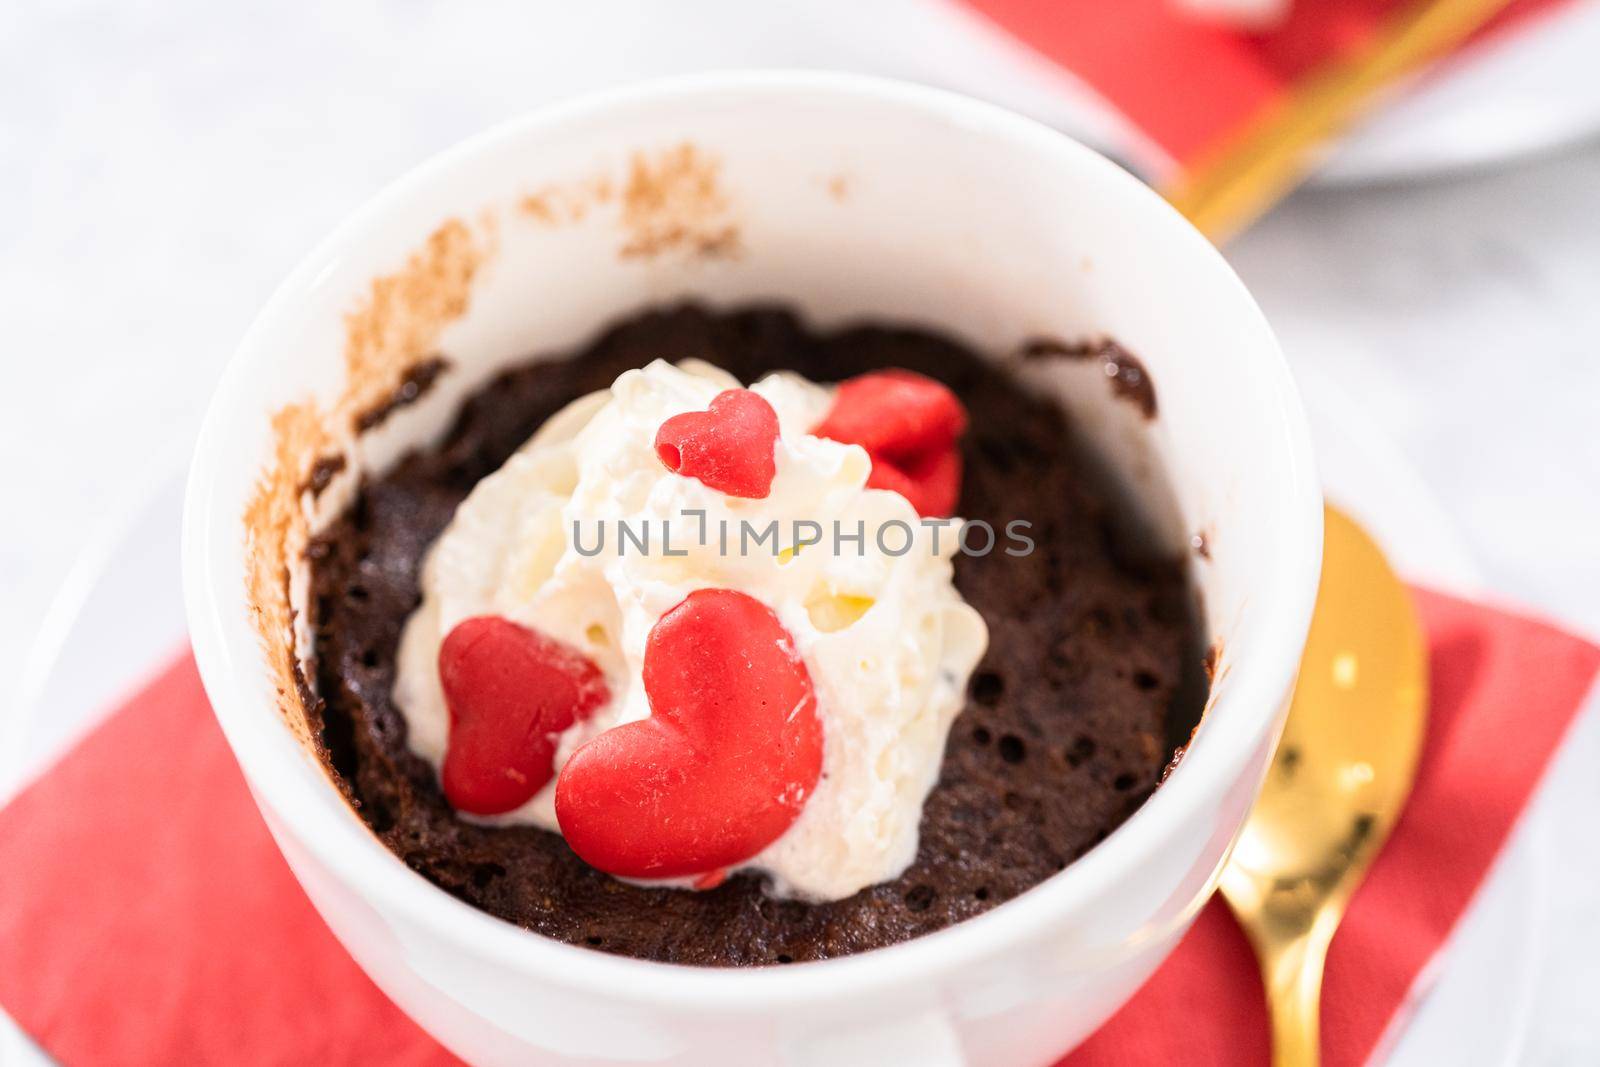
<point x="121" y="614"/>
<point x="1532" y="88"/>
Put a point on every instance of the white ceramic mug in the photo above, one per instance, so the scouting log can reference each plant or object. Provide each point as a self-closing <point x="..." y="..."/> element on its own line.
<point x="849" y="198"/>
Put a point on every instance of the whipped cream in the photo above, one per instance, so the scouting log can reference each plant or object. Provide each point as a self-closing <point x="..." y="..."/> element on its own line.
<point x="888" y="641"/>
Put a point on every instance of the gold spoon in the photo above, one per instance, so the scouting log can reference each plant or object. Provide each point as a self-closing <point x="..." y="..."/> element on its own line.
<point x="1248" y="173"/>
<point x="1348" y="756"/>
<point x="1336" y="786"/>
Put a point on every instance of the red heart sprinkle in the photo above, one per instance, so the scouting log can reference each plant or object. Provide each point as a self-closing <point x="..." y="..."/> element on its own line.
<point x="725" y="762"/>
<point x="511" y="691"/>
<point x="729" y="447"/>
<point x="933" y="485"/>
<point x="909" y="425"/>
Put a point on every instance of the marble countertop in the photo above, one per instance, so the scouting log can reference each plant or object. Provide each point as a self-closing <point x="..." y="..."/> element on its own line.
<point x="162" y="167"/>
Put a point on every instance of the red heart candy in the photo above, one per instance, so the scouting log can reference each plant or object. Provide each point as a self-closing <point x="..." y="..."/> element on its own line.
<point x="895" y="413"/>
<point x="511" y="691"/>
<point x="725" y="762"/>
<point x="932" y="485"/>
<point x="909" y="425"/>
<point x="729" y="447"/>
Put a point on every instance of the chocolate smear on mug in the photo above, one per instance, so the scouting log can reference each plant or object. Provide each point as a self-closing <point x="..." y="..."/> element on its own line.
<point x="416" y="382"/>
<point x="391" y="332"/>
<point x="1127" y="375"/>
<point x="674" y="201"/>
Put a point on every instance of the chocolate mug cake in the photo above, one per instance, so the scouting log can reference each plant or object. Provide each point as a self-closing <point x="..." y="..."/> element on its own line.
<point x="911" y="739"/>
<point x="323" y="559"/>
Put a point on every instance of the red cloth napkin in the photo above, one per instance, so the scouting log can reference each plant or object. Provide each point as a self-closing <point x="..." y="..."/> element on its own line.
<point x="1187" y="82"/>
<point x="147" y="918"/>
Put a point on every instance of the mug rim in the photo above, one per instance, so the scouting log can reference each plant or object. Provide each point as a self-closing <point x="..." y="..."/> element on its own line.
<point x="275" y="763"/>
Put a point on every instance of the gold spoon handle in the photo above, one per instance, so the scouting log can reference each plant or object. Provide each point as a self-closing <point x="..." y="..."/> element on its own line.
<point x="1292" y="972"/>
<point x="1254" y="170"/>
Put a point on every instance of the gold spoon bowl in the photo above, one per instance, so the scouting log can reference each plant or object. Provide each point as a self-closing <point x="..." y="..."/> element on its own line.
<point x="1336" y="786"/>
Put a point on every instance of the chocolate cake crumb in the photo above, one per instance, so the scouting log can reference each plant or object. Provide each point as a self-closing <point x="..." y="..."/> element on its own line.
<point x="1068" y="728"/>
